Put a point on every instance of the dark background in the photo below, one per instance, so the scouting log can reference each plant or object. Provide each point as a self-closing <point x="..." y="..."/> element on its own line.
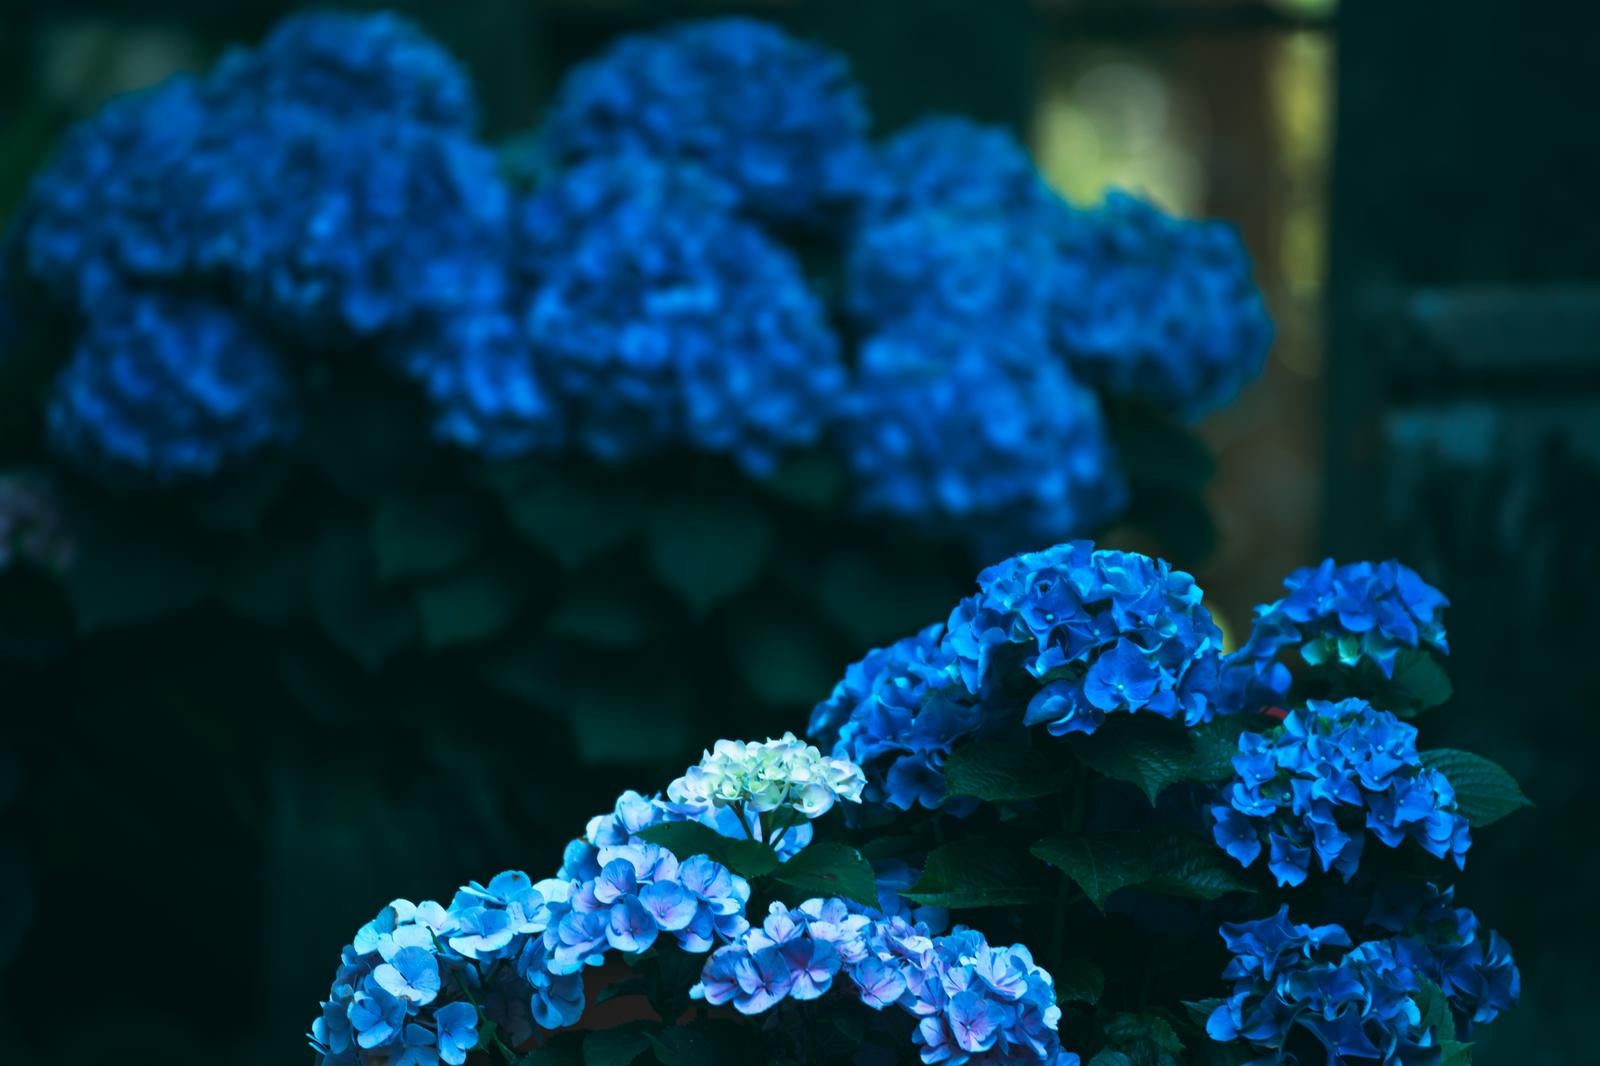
<point x="1416" y="184"/>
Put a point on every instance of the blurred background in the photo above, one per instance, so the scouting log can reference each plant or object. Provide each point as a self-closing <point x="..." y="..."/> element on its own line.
<point x="1415" y="184"/>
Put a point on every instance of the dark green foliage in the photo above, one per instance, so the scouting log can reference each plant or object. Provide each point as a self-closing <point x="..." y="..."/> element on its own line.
<point x="1485" y="792"/>
<point x="1167" y="864"/>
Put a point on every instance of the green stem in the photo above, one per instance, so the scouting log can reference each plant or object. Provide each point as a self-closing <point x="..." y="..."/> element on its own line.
<point x="744" y="824"/>
<point x="494" y="1038"/>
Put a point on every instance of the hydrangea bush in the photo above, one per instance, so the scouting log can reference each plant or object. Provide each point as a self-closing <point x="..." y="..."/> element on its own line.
<point x="1036" y="840"/>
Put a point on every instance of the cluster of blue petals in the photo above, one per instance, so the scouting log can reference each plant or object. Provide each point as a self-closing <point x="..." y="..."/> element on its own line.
<point x="947" y="426"/>
<point x="168" y="388"/>
<point x="1311" y="785"/>
<point x="776" y="118"/>
<point x="1158" y="309"/>
<point x="407" y="983"/>
<point x="1349" y="614"/>
<point x="1446" y="944"/>
<point x="973" y="1003"/>
<point x="664" y="325"/>
<point x="952" y="164"/>
<point x="1357" y="1003"/>
<point x="1095" y="632"/>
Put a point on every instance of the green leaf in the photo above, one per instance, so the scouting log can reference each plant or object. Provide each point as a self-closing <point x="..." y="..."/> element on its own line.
<point x="1168" y="864"/>
<point x="813" y="480"/>
<point x="874" y="601"/>
<point x="747" y="858"/>
<point x="979" y="872"/>
<point x="1141" y="749"/>
<point x="126" y="575"/>
<point x="1107" y="1057"/>
<point x="575" y="511"/>
<point x="1079" y="981"/>
<point x="1002" y="769"/>
<point x="1419" y="682"/>
<point x="1145" y="1039"/>
<point x="1213" y="746"/>
<point x="369" y="623"/>
<point x="604" y="613"/>
<point x="780" y="654"/>
<point x="1485" y="791"/>
<point x="705" y="550"/>
<point x="1435" y="1008"/>
<point x="828" y="868"/>
<point x="707" y="1043"/>
<point x="424" y="536"/>
<point x="562" y="1049"/>
<point x="468" y="607"/>
<point x="613" y="1047"/>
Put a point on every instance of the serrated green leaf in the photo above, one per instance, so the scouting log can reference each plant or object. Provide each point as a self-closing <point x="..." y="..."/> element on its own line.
<point x="1079" y="981"/>
<point x="1141" y="749"/>
<point x="828" y="868"/>
<point x="1146" y="1039"/>
<point x="1169" y="864"/>
<point x="468" y="607"/>
<point x="1002" y="769"/>
<point x="613" y="1047"/>
<point x="747" y="858"/>
<point x="705" y="550"/>
<point x="1213" y="746"/>
<point x="424" y="536"/>
<point x="979" y="872"/>
<point x="573" y="512"/>
<point x="1435" y="1009"/>
<point x="1485" y="791"/>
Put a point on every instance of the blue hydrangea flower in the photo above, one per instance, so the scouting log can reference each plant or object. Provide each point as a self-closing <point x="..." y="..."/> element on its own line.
<point x="366" y="227"/>
<point x="978" y="435"/>
<point x="976" y="270"/>
<point x="777" y="118"/>
<point x="974" y="1003"/>
<point x="1157" y="309"/>
<point x="952" y="164"/>
<point x="151" y="188"/>
<point x="1291" y="783"/>
<point x="406" y="986"/>
<point x="897" y="714"/>
<point x="568" y="202"/>
<point x="1099" y="632"/>
<point x="676" y="327"/>
<point x="352" y="65"/>
<point x="165" y="389"/>
<point x="1359" y="1002"/>
<point x="1446" y="944"/>
<point x="1350" y="613"/>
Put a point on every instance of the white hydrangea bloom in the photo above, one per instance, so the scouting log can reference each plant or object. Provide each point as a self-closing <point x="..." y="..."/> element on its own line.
<point x="762" y="777"/>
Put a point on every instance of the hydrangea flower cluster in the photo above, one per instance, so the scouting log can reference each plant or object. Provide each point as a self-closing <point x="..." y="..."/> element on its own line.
<point x="35" y="529"/>
<point x="1099" y="632"/>
<point x="946" y="426"/>
<point x="973" y="1003"/>
<point x="406" y="988"/>
<point x="641" y="892"/>
<point x="1446" y="944"/>
<point x="666" y="326"/>
<point x="1292" y="785"/>
<point x="168" y="388"/>
<point x="953" y="164"/>
<point x="778" y="119"/>
<point x="1156" y="308"/>
<point x="766" y="776"/>
<point x="898" y="713"/>
<point x="1350" y="613"/>
<point x="1358" y="1002"/>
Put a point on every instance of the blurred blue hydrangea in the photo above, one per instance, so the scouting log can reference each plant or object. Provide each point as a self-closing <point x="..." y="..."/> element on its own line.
<point x="1158" y="309"/>
<point x="977" y="271"/>
<point x="352" y="65"/>
<point x="1104" y="631"/>
<point x="1351" y="613"/>
<point x="1358" y="1002"/>
<point x="1291" y="782"/>
<point x="951" y="164"/>
<point x="669" y="327"/>
<point x="152" y="188"/>
<point x="165" y="388"/>
<point x="976" y="434"/>
<point x="371" y="226"/>
<point x="1446" y="944"/>
<point x="551" y="220"/>
<point x="777" y="118"/>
